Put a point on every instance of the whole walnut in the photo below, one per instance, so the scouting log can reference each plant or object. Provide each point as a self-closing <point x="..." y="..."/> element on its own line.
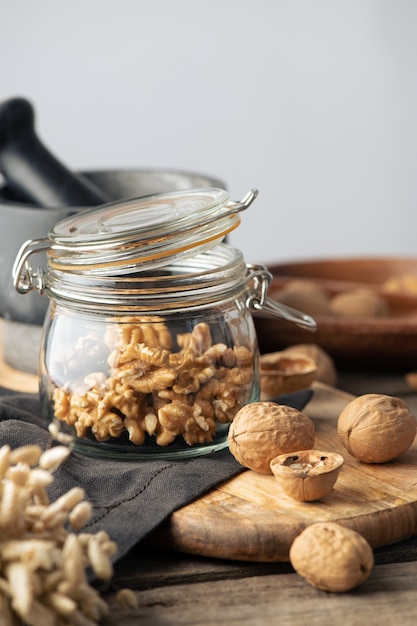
<point x="359" y="303"/>
<point x="304" y="295"/>
<point x="262" y="430"/>
<point x="376" y="428"/>
<point x="331" y="557"/>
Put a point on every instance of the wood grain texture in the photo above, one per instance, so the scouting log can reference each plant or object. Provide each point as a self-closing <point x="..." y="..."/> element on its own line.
<point x="387" y="597"/>
<point x="250" y="518"/>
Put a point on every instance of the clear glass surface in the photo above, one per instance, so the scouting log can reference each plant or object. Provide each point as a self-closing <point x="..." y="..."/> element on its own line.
<point x="144" y="386"/>
<point x="154" y="364"/>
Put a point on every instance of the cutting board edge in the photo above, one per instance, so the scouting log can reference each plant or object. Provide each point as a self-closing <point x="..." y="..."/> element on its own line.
<point x="168" y="536"/>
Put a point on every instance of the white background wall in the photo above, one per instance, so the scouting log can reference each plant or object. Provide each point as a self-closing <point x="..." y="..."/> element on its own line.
<point x="314" y="102"/>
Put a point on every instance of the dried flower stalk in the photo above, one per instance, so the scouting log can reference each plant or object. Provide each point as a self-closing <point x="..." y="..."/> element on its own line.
<point x="43" y="565"/>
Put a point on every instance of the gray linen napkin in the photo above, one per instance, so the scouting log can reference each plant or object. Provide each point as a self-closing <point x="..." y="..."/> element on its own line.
<point x="129" y="498"/>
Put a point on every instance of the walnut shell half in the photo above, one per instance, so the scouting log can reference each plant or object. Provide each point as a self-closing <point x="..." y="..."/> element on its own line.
<point x="282" y="372"/>
<point x="307" y="475"/>
<point x="326" y="368"/>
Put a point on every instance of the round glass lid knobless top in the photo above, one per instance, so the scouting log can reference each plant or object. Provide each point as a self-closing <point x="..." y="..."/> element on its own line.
<point x="140" y="218"/>
<point x="144" y="232"/>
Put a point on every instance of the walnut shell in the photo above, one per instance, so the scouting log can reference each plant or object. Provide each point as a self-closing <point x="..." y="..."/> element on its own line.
<point x="284" y="373"/>
<point x="304" y="295"/>
<point x="376" y="428"/>
<point x="359" y="303"/>
<point x="411" y="379"/>
<point x="262" y="430"/>
<point x="307" y="475"/>
<point x="331" y="557"/>
<point x="326" y="369"/>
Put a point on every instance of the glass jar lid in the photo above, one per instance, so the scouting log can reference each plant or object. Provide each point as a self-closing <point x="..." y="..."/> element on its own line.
<point x="143" y="233"/>
<point x="124" y="239"/>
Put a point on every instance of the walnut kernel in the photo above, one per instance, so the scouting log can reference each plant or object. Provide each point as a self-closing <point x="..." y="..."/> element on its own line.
<point x="149" y="390"/>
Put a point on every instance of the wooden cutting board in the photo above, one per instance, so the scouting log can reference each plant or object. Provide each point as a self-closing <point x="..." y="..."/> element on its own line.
<point x="250" y="518"/>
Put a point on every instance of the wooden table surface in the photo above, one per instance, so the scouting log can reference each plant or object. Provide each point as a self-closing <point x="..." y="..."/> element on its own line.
<point x="180" y="589"/>
<point x="176" y="589"/>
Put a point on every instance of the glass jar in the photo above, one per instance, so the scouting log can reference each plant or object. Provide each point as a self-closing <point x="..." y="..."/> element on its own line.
<point x="149" y="347"/>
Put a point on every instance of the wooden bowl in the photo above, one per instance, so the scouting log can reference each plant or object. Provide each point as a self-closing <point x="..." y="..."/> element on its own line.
<point x="388" y="343"/>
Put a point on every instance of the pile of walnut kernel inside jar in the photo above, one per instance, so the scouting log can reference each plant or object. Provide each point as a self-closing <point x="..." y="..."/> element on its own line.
<point x="146" y="387"/>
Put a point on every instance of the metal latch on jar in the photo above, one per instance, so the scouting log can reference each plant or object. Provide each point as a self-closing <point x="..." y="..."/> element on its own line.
<point x="259" y="278"/>
<point x="24" y="278"/>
